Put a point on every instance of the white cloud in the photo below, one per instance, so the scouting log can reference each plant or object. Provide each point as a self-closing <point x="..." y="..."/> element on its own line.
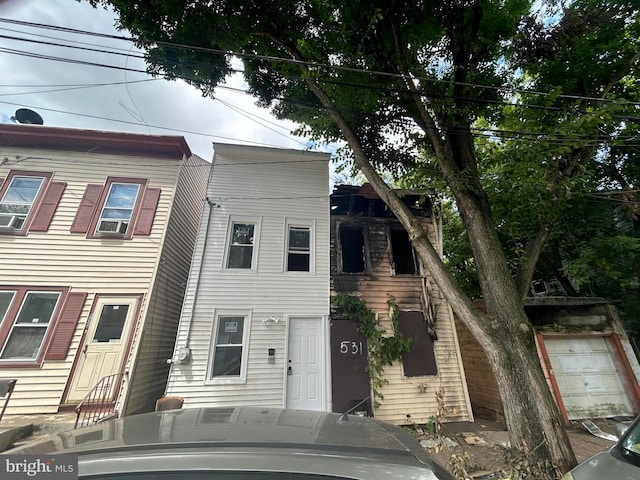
<point x="135" y="106"/>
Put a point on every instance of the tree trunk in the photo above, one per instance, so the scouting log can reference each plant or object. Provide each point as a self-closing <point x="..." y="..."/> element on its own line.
<point x="534" y="422"/>
<point x="532" y="418"/>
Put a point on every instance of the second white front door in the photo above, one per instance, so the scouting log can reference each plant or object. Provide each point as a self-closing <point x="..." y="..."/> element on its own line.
<point x="105" y="344"/>
<point x="305" y="385"/>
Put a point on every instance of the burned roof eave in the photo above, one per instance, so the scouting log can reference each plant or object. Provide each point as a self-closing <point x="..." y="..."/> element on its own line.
<point x="351" y="200"/>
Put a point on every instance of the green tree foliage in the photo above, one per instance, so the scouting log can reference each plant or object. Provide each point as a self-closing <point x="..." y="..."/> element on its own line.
<point x="496" y="99"/>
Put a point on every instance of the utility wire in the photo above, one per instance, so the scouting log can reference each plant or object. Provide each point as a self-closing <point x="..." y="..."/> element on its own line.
<point x="204" y="134"/>
<point x="309" y="64"/>
<point x="494" y="133"/>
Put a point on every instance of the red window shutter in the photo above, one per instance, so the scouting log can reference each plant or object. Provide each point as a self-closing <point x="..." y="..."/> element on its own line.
<point x="65" y="327"/>
<point x="147" y="211"/>
<point x="87" y="208"/>
<point x="47" y="208"/>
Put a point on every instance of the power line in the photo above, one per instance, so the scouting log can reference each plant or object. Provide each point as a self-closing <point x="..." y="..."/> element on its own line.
<point x="369" y="87"/>
<point x="492" y="133"/>
<point x="204" y="134"/>
<point x="501" y="88"/>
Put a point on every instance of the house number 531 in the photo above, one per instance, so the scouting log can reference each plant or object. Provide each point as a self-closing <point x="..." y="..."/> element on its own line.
<point x="354" y="348"/>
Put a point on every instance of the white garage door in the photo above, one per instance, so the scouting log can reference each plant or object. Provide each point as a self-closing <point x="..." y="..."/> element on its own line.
<point x="587" y="376"/>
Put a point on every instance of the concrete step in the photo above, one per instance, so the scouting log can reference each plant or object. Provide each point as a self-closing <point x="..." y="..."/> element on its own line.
<point x="21" y="429"/>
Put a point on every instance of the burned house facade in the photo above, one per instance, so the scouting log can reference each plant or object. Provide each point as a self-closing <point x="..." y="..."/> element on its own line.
<point x="372" y="259"/>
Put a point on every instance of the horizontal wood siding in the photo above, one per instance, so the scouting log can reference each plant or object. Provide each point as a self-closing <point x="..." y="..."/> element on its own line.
<point x="271" y="186"/>
<point x="150" y="366"/>
<point x="59" y="258"/>
<point x="406" y="399"/>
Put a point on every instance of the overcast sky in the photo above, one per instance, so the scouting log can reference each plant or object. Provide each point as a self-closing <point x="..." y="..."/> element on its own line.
<point x="112" y="98"/>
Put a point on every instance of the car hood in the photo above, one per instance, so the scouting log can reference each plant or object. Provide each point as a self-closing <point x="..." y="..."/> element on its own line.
<point x="605" y="465"/>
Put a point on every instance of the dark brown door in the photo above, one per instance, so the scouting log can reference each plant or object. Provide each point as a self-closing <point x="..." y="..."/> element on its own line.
<point x="349" y="379"/>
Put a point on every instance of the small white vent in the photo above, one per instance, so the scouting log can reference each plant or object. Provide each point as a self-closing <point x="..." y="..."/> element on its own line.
<point x="108" y="226"/>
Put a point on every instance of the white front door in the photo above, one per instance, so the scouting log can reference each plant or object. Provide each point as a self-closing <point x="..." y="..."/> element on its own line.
<point x="105" y="344"/>
<point x="305" y="365"/>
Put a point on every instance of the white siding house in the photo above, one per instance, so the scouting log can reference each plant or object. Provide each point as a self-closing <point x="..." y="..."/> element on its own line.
<point x="96" y="235"/>
<point x="254" y="326"/>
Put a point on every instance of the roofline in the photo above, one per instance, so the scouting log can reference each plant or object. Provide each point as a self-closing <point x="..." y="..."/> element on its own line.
<point x="93" y="141"/>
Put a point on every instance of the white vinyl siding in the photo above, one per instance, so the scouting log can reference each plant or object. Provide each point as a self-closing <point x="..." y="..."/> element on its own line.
<point x="267" y="186"/>
<point x="143" y="265"/>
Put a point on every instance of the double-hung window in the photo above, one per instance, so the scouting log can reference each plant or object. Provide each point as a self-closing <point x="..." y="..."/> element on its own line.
<point x="29" y="328"/>
<point x="229" y="356"/>
<point x="18" y="200"/>
<point x="241" y="245"/>
<point x="299" y="249"/>
<point x="118" y="208"/>
<point x="121" y="208"/>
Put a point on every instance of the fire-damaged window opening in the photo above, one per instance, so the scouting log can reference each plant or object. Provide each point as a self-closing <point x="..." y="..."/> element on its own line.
<point x="403" y="257"/>
<point x="352" y="248"/>
<point x="421" y="360"/>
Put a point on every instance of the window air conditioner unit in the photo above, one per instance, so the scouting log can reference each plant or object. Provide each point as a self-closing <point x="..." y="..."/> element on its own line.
<point x="108" y="226"/>
<point x="10" y="221"/>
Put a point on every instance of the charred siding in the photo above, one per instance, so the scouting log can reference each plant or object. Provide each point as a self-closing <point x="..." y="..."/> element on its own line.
<point x="404" y="397"/>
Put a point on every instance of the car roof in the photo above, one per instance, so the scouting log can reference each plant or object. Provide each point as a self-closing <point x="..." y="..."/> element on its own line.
<point x="252" y="426"/>
<point x="252" y="438"/>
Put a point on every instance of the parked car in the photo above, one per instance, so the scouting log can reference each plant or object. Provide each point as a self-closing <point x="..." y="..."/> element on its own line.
<point x="242" y="443"/>
<point x="621" y="462"/>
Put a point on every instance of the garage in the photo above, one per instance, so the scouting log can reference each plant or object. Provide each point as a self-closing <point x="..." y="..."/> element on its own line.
<point x="587" y="376"/>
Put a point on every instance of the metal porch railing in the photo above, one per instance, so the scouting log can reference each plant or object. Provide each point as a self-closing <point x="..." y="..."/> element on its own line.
<point x="99" y="404"/>
<point x="6" y="389"/>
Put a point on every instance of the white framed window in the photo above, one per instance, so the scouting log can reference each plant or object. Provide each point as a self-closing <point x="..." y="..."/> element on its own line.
<point x="118" y="208"/>
<point x="299" y="249"/>
<point x="299" y="246"/>
<point x="29" y="329"/>
<point x="230" y="337"/>
<point x="18" y="199"/>
<point x="242" y="243"/>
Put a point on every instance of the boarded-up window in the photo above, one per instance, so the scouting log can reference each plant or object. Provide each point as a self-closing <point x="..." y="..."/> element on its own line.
<point x="352" y="248"/>
<point x="421" y="360"/>
<point x="403" y="256"/>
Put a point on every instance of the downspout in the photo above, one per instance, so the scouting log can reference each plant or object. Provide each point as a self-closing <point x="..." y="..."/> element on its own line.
<point x="210" y="204"/>
<point x="182" y="355"/>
